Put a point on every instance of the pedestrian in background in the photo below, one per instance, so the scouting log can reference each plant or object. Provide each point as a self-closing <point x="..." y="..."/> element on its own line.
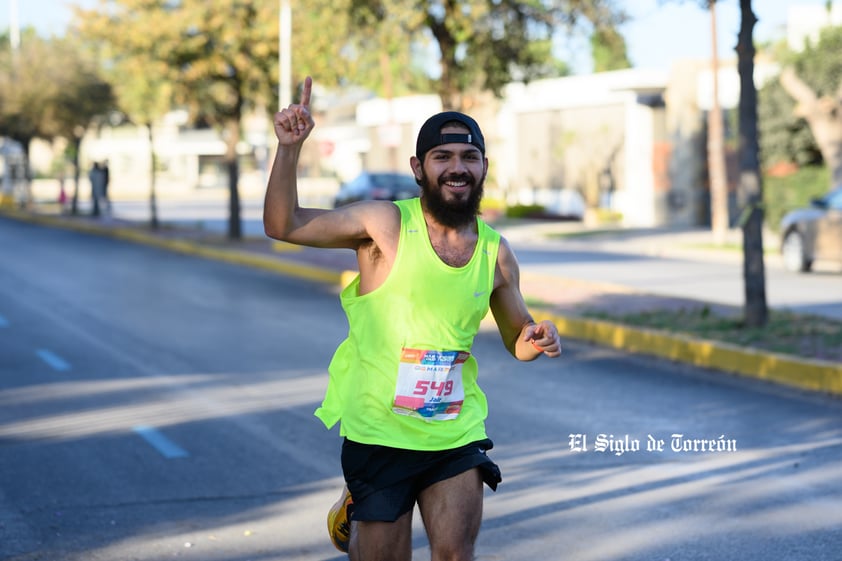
<point x="403" y="384"/>
<point x="98" y="178"/>
<point x="106" y="181"/>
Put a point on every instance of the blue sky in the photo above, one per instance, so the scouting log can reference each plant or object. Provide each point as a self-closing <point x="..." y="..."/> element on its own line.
<point x="656" y="37"/>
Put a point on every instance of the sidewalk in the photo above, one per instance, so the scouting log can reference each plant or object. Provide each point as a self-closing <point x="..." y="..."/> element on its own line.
<point x="550" y="297"/>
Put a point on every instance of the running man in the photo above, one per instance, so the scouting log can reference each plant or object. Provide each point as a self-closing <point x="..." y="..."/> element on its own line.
<point x="403" y="384"/>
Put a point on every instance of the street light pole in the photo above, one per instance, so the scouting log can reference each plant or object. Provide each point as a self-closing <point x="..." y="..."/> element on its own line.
<point x="717" y="171"/>
<point x="14" y="26"/>
<point x="284" y="55"/>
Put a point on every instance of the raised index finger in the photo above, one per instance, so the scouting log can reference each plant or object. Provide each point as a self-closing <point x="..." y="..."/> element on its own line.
<point x="305" y="94"/>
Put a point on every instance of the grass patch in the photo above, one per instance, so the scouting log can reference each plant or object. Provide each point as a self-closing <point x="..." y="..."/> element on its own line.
<point x="536" y="302"/>
<point x="788" y="192"/>
<point x="524" y="211"/>
<point x="786" y="332"/>
<point x="589" y="233"/>
<point x="732" y="247"/>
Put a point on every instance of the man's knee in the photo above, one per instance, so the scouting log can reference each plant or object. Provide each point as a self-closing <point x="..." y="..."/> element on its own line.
<point x="453" y="552"/>
<point x="382" y="541"/>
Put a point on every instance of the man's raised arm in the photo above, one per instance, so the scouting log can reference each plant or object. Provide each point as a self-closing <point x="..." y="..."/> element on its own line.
<point x="281" y="213"/>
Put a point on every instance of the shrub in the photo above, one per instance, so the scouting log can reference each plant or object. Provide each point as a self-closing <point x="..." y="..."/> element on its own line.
<point x="784" y="193"/>
<point x="525" y="211"/>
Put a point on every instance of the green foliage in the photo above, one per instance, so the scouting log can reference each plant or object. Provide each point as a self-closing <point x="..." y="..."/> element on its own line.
<point x="381" y="52"/>
<point x="783" y="136"/>
<point x="485" y="44"/>
<point x="217" y="58"/>
<point x="133" y="62"/>
<point x="49" y="88"/>
<point x="608" y="49"/>
<point x="785" y="193"/>
<point x="525" y="211"/>
<point x="820" y="64"/>
<point x="222" y="55"/>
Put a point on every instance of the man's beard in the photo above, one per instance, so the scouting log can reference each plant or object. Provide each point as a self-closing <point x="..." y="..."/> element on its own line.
<point x="456" y="213"/>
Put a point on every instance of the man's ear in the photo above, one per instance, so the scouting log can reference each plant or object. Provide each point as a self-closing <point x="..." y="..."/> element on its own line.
<point x="417" y="167"/>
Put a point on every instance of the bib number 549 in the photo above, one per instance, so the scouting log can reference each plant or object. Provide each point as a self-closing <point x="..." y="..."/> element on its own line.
<point x="440" y="389"/>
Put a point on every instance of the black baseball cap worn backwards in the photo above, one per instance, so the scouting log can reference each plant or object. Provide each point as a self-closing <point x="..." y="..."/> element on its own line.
<point x="430" y="134"/>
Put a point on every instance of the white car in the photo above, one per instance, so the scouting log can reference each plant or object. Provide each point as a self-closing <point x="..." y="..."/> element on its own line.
<point x="813" y="233"/>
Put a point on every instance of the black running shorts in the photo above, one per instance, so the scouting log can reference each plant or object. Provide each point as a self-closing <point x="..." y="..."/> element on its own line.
<point x="385" y="482"/>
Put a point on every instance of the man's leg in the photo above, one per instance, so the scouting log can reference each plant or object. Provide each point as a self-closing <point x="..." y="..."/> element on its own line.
<point x="382" y="541"/>
<point x="452" y="514"/>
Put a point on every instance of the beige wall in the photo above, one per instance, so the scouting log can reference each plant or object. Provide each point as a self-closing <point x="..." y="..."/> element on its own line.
<point x="569" y="148"/>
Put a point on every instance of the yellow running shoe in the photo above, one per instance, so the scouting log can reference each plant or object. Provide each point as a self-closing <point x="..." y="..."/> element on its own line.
<point x="339" y="522"/>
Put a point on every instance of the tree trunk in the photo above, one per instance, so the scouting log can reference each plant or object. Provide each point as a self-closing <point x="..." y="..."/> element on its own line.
<point x="756" y="312"/>
<point x="74" y="200"/>
<point x="232" y="138"/>
<point x="26" y="202"/>
<point x="448" y="86"/>
<point x="153" y="200"/>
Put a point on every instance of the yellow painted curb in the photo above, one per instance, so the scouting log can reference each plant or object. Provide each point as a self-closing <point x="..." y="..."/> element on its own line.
<point x="285" y="247"/>
<point x="236" y="257"/>
<point x="307" y="272"/>
<point x="347" y="278"/>
<point x="816" y="375"/>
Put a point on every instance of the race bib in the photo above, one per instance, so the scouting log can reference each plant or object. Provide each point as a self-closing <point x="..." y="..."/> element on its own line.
<point x="429" y="384"/>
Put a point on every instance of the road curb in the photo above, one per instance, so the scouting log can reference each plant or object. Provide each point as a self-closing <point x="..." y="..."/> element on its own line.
<point x="802" y="373"/>
<point x="234" y="256"/>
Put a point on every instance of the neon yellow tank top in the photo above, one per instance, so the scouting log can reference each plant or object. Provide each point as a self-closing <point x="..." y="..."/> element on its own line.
<point x="404" y="377"/>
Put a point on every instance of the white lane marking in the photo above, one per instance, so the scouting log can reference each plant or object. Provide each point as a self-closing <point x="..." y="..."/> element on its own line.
<point x="166" y="447"/>
<point x="55" y="361"/>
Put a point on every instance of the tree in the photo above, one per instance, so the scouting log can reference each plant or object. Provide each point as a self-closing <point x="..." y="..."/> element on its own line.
<point x="813" y="81"/>
<point x="221" y="58"/>
<point x="144" y="96"/>
<point x="25" y="90"/>
<point x="379" y="55"/>
<point x="485" y="44"/>
<point x="755" y="309"/>
<point x="224" y="57"/>
<point x="608" y="50"/>
<point x="138" y="71"/>
<point x="49" y="90"/>
<point x="784" y="136"/>
<point x="756" y="312"/>
<point x="83" y="97"/>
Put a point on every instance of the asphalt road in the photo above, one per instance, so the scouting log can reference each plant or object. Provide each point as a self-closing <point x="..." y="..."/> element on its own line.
<point x="157" y="406"/>
<point x="657" y="264"/>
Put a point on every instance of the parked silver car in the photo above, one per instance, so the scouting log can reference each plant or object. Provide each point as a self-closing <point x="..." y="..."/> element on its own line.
<point x="379" y="186"/>
<point x="813" y="233"/>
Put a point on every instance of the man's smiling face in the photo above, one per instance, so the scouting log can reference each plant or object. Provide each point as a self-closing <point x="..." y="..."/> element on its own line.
<point x="452" y="179"/>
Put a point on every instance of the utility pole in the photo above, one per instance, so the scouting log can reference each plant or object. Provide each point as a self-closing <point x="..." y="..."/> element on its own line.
<point x="14" y="26"/>
<point x="717" y="174"/>
<point x="284" y="54"/>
